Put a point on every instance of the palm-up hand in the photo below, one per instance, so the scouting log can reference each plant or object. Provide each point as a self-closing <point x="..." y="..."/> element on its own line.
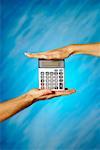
<point x="42" y="94"/>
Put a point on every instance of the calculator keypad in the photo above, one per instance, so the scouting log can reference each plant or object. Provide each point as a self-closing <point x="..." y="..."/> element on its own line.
<point x="51" y="78"/>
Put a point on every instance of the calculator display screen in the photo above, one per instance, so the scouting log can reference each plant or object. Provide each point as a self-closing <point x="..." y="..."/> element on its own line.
<point x="51" y="63"/>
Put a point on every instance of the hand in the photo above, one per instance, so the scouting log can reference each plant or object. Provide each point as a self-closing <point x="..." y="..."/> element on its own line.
<point x="13" y="106"/>
<point x="43" y="94"/>
<point x="59" y="53"/>
<point x="64" y="52"/>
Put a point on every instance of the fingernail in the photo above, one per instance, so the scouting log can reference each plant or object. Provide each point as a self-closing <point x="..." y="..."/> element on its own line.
<point x="73" y="90"/>
<point x="26" y="53"/>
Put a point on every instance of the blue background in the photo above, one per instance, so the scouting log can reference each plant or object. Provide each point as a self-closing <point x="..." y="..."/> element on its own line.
<point x="63" y="123"/>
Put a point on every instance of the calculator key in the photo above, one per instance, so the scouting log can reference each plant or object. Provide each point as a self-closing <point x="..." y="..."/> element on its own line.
<point x="55" y="77"/>
<point x="53" y="82"/>
<point x="61" y="73"/>
<point x="42" y="80"/>
<point x="56" y="73"/>
<point x="56" y="87"/>
<point x="55" y="70"/>
<point x="53" y="86"/>
<point x="56" y="83"/>
<point x="60" y="76"/>
<point x="47" y="77"/>
<point x="42" y="76"/>
<point x="51" y="79"/>
<point x="46" y="83"/>
<point x="60" y="83"/>
<point x="60" y="69"/>
<point x="51" y="76"/>
<point x="61" y="80"/>
<point x="61" y="87"/>
<point x="51" y="73"/>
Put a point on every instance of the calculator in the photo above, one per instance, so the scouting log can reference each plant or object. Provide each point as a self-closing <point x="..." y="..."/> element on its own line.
<point x="51" y="74"/>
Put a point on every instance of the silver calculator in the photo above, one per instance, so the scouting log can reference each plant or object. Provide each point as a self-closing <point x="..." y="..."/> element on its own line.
<point x="51" y="74"/>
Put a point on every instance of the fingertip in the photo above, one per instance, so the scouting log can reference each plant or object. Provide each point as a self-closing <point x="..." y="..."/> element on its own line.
<point x="26" y="54"/>
<point x="73" y="90"/>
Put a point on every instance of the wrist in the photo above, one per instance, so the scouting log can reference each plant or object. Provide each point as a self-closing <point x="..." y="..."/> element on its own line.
<point x="30" y="98"/>
<point x="72" y="49"/>
<point x="75" y="49"/>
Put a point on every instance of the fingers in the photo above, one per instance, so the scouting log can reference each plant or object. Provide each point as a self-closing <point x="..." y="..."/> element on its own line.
<point x="39" y="55"/>
<point x="58" y="93"/>
<point x="65" y="92"/>
<point x="44" y="55"/>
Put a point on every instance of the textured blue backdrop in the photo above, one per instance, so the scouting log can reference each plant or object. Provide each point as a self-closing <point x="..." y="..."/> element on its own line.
<point x="63" y="123"/>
